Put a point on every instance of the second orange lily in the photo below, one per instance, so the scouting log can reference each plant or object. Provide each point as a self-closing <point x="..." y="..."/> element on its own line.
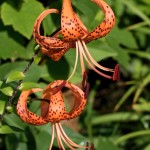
<point x="53" y="110"/>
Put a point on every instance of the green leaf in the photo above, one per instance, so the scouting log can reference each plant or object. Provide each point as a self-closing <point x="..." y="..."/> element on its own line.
<point x="15" y="75"/>
<point x="33" y="73"/>
<point x="132" y="5"/>
<point x="139" y="53"/>
<point x="21" y="19"/>
<point x="10" y="44"/>
<point x="4" y="129"/>
<point x="7" y="91"/>
<point x="45" y="138"/>
<point x="143" y="107"/>
<point x="140" y="87"/>
<point x="2" y="106"/>
<point x="100" y="50"/>
<point x="119" y="117"/>
<point x="147" y="147"/>
<point x="1" y="82"/>
<point x="37" y="59"/>
<point x="56" y="70"/>
<point x="104" y="144"/>
<point x="126" y="38"/>
<point x="29" y="85"/>
<point x="84" y="8"/>
<point x="9" y="109"/>
<point x="122" y="56"/>
<point x="132" y="135"/>
<point x="125" y="97"/>
<point x="14" y="121"/>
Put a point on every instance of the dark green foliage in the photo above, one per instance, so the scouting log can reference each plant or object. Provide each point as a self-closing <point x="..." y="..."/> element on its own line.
<point x="117" y="116"/>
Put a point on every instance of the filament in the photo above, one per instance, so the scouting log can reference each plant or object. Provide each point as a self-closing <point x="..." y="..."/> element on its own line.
<point x="90" y="64"/>
<point x="52" y="138"/>
<point x="81" y="57"/>
<point x="68" y="139"/>
<point x="75" y="65"/>
<point x="93" y="61"/>
<point x="59" y="137"/>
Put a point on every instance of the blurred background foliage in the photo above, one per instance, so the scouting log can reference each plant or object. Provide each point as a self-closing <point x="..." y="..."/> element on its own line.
<point x="117" y="115"/>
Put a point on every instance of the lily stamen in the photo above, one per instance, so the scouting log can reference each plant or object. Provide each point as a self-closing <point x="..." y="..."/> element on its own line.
<point x="82" y="53"/>
<point x="68" y="139"/>
<point x="53" y="134"/>
<point x="75" y="66"/>
<point x="61" y="137"/>
<point x="93" y="61"/>
<point x="81" y="58"/>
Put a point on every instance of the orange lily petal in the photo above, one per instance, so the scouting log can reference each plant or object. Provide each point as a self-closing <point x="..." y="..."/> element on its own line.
<point x="71" y="26"/>
<point x="105" y="27"/>
<point x="57" y="110"/>
<point x="54" y="54"/>
<point x="51" y="46"/>
<point x="22" y="110"/>
<point x="80" y="100"/>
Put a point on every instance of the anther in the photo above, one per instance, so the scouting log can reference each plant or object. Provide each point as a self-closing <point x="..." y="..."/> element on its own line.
<point x="116" y="74"/>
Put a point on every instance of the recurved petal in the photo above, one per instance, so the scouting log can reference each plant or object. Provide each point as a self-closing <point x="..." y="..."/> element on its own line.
<point x="56" y="109"/>
<point x="54" y="53"/>
<point x="105" y="27"/>
<point x="80" y="100"/>
<point x="24" y="113"/>
<point x="50" y="45"/>
<point x="72" y="27"/>
<point x="37" y="24"/>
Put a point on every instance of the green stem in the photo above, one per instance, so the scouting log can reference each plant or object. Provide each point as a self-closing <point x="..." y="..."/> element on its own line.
<point x="142" y="84"/>
<point x="11" y="99"/>
<point x="124" y="97"/>
<point x="132" y="135"/>
<point x="137" y="25"/>
<point x="90" y="111"/>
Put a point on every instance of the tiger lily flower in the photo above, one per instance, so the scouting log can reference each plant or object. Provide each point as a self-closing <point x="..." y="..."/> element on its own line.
<point x="53" y="110"/>
<point x="76" y="35"/>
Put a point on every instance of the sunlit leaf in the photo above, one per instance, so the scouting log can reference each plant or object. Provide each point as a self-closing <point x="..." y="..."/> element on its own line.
<point x="7" y="90"/>
<point x="15" y="75"/>
<point x="2" y="106"/>
<point x="10" y="46"/>
<point x="134" y="8"/>
<point x="33" y="73"/>
<point x="4" y="129"/>
<point x="144" y="107"/>
<point x="1" y="82"/>
<point x="21" y="19"/>
<point x="28" y="85"/>
<point x="112" y="117"/>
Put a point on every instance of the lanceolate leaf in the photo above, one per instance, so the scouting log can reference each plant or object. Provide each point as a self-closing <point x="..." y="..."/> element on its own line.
<point x="7" y="91"/>
<point x="33" y="73"/>
<point x="1" y="82"/>
<point x="6" y="129"/>
<point x="2" y="106"/>
<point x="29" y="85"/>
<point x="15" y="75"/>
<point x="21" y="19"/>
